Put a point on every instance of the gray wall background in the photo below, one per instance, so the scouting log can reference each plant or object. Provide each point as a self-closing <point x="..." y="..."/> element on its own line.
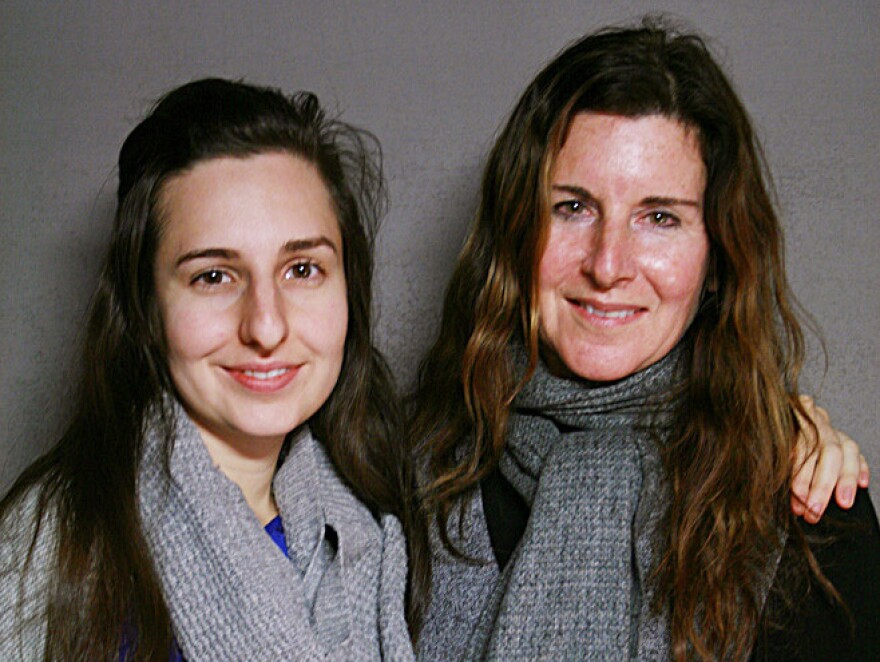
<point x="433" y="80"/>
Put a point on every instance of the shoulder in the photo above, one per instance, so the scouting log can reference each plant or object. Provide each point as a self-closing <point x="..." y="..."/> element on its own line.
<point x="28" y="549"/>
<point x="845" y="535"/>
<point x="846" y="545"/>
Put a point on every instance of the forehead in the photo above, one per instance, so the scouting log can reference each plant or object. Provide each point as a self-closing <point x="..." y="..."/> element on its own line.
<point x="651" y="149"/>
<point x="241" y="200"/>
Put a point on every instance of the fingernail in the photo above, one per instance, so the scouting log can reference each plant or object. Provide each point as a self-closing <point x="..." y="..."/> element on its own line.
<point x="816" y="509"/>
<point x="847" y="496"/>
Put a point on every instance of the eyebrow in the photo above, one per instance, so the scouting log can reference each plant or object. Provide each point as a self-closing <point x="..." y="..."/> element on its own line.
<point x="670" y="202"/>
<point x="292" y="246"/>
<point x="651" y="200"/>
<point x="312" y="242"/>
<point x="201" y="253"/>
<point x="574" y="190"/>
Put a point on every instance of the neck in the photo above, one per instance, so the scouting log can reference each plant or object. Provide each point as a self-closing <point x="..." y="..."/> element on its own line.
<point x="251" y="465"/>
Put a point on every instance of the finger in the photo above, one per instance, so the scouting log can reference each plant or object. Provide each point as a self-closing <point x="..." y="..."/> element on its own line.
<point x="798" y="506"/>
<point x="828" y="448"/>
<point x="824" y="479"/>
<point x="864" y="472"/>
<point x="804" y="460"/>
<point x="800" y="485"/>
<point x="847" y="482"/>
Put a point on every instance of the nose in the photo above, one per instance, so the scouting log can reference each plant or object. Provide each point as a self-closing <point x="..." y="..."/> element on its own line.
<point x="263" y="320"/>
<point x="610" y="257"/>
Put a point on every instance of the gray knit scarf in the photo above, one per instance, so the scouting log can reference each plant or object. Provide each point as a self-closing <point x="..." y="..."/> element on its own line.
<point x="586" y="460"/>
<point x="231" y="592"/>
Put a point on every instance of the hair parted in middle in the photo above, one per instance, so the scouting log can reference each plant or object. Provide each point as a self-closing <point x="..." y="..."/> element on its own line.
<point x="730" y="457"/>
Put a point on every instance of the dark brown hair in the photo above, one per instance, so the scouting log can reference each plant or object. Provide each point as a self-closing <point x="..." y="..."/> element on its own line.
<point x="729" y="458"/>
<point x="104" y="577"/>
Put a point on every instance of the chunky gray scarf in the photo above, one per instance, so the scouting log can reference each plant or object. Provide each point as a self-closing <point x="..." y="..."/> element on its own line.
<point x="233" y="595"/>
<point x="586" y="459"/>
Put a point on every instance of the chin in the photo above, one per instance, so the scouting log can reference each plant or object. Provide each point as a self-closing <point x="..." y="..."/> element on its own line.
<point x="267" y="424"/>
<point x="272" y="428"/>
<point x="600" y="368"/>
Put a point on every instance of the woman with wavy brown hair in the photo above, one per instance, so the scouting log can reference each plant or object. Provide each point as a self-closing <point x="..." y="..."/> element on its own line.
<point x="610" y="414"/>
<point x="230" y="390"/>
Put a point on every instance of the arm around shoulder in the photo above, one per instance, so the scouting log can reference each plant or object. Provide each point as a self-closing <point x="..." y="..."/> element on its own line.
<point x="851" y="562"/>
<point x="810" y="625"/>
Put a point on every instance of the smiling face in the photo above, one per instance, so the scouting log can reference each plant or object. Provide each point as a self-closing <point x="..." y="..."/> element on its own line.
<point x="626" y="257"/>
<point x="251" y="289"/>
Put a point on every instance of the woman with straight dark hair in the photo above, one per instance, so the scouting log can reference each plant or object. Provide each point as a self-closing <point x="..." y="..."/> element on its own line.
<point x="230" y="385"/>
<point x="609" y="416"/>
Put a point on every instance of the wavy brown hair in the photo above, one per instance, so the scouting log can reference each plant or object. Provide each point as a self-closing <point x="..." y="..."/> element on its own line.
<point x="104" y="578"/>
<point x="729" y="459"/>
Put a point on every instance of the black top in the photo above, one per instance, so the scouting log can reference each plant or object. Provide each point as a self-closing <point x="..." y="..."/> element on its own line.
<point x="800" y="621"/>
<point x="846" y="545"/>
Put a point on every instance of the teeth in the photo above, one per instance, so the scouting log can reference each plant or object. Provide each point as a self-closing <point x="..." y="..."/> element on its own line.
<point x="265" y="375"/>
<point x="612" y="314"/>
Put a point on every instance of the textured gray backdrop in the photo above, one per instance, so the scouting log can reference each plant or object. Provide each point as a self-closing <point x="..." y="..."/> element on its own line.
<point x="433" y="80"/>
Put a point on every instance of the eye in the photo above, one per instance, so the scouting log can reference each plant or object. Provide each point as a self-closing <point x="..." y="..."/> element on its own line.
<point x="663" y="219"/>
<point x="570" y="208"/>
<point x="212" y="277"/>
<point x="305" y="270"/>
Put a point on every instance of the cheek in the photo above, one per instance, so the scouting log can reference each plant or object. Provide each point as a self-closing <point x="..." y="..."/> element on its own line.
<point x="191" y="332"/>
<point x="560" y="263"/>
<point x="562" y="258"/>
<point x="678" y="277"/>
<point x="323" y="326"/>
<point x="559" y="272"/>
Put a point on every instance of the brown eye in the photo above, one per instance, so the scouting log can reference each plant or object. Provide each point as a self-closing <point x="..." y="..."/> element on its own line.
<point x="569" y="206"/>
<point x="574" y="209"/>
<point x="303" y="271"/>
<point x="212" y="277"/>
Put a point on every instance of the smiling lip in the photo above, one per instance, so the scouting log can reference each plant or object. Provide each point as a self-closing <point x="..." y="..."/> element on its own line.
<point x="263" y="378"/>
<point x="607" y="315"/>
